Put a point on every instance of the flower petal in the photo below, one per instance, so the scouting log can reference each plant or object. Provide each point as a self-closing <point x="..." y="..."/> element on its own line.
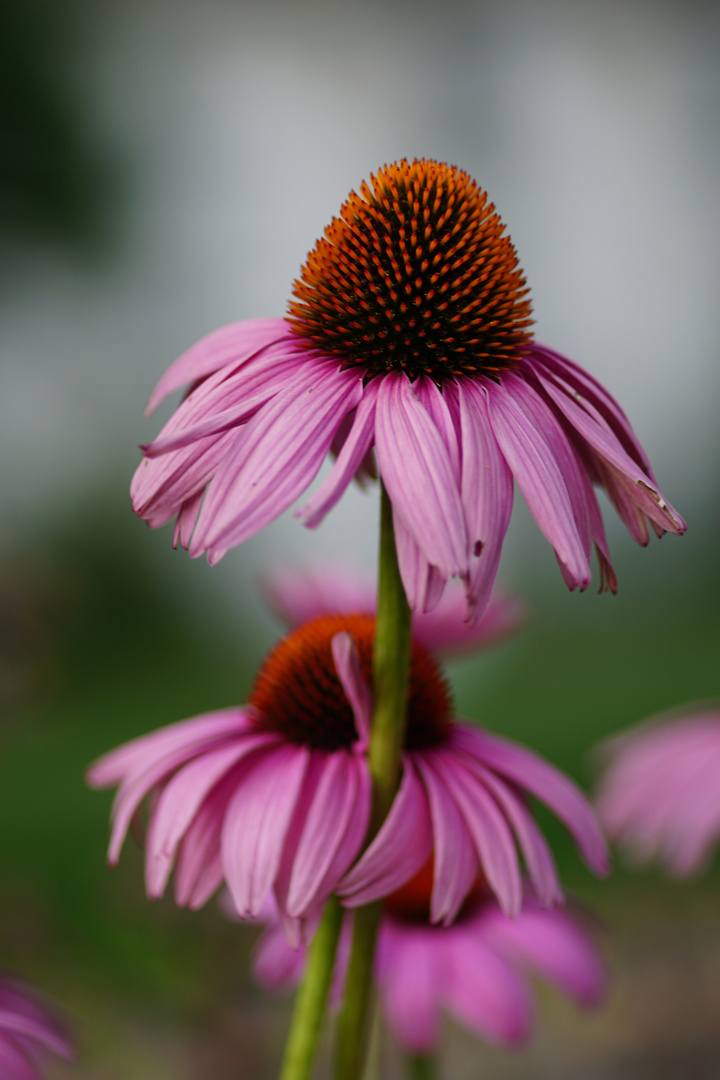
<point x="487" y="492"/>
<point x="334" y="829"/>
<point x="418" y="474"/>
<point x="401" y="847"/>
<point x="423" y="583"/>
<point x="347" y="665"/>
<point x="540" y="456"/>
<point x="180" y="801"/>
<point x="551" y="944"/>
<point x="256" y="823"/>
<point x="485" y="992"/>
<point x="548" y="784"/>
<point x="230" y="344"/>
<point x="278" y="454"/>
<point x="488" y="828"/>
<point x="411" y="986"/>
<point x="354" y="450"/>
<point x="456" y="862"/>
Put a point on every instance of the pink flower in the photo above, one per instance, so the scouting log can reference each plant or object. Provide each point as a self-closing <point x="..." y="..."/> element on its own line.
<point x="475" y="970"/>
<point x="297" y="596"/>
<point x="28" y="1031"/>
<point x="275" y="796"/>
<point x="409" y="340"/>
<point x="660" y="794"/>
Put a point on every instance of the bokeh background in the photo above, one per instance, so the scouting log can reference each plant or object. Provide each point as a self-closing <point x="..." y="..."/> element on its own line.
<point x="166" y="167"/>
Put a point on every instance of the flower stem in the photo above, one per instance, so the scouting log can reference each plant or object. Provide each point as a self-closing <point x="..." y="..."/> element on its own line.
<point x="309" y="1012"/>
<point x="391" y="657"/>
<point x="420" y="1067"/>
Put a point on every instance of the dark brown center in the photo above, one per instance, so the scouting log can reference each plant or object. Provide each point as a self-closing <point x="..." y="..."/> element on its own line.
<point x="416" y="275"/>
<point x="298" y="692"/>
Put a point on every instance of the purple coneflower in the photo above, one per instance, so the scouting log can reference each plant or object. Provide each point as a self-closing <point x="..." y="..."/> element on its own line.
<point x="660" y="794"/>
<point x="29" y="1031"/>
<point x="408" y="339"/>
<point x="475" y="970"/>
<point x="275" y="796"/>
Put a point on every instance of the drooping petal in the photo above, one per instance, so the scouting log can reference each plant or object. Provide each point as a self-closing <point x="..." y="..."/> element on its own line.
<point x="456" y="861"/>
<point x="538" y="857"/>
<point x="552" y="945"/>
<point x="422" y="582"/>
<point x="540" y="456"/>
<point x="334" y="829"/>
<point x="140" y="754"/>
<point x="401" y="847"/>
<point x="485" y="992"/>
<point x="417" y="471"/>
<point x="548" y="784"/>
<point x="278" y="454"/>
<point x="199" y="869"/>
<point x="487" y="492"/>
<point x="488" y="828"/>
<point x="347" y="665"/>
<point x="411" y="985"/>
<point x="255" y="825"/>
<point x="180" y="801"/>
<point x="596" y="432"/>
<point x="187" y="516"/>
<point x="225" y="400"/>
<point x="355" y="448"/>
<point x="275" y="965"/>
<point x="229" y="345"/>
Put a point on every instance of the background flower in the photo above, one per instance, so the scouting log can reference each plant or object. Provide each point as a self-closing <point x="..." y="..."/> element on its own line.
<point x="659" y="795"/>
<point x="301" y="594"/>
<point x="474" y="970"/>
<point x="29" y="1032"/>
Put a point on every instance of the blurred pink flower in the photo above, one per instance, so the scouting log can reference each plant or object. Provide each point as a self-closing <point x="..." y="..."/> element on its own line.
<point x="275" y="796"/>
<point x="29" y="1031"/>
<point x="297" y="596"/>
<point x="660" y="792"/>
<point x="408" y="339"/>
<point x="475" y="970"/>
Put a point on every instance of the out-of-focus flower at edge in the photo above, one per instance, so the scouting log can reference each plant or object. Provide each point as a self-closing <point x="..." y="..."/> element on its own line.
<point x="29" y="1032"/>
<point x="659" y="796"/>
<point x="275" y="796"/>
<point x="475" y="970"/>
<point x="409" y="340"/>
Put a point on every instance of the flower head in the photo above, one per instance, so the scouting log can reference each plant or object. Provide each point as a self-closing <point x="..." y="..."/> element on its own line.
<point x="660" y="795"/>
<point x="275" y="796"/>
<point x="29" y="1030"/>
<point x="409" y="341"/>
<point x="475" y="970"/>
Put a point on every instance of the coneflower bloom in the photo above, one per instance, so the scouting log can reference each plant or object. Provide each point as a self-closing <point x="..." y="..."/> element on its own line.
<point x="660" y="793"/>
<point x="275" y="796"/>
<point x="29" y="1032"/>
<point x="475" y="970"/>
<point x="408" y="342"/>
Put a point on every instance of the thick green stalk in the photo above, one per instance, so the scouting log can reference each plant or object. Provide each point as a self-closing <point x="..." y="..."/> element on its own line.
<point x="391" y="658"/>
<point x="309" y="1012"/>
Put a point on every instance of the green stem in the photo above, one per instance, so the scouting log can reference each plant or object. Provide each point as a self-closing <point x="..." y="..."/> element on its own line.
<point x="309" y="1011"/>
<point x="391" y="659"/>
<point x="421" y="1067"/>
